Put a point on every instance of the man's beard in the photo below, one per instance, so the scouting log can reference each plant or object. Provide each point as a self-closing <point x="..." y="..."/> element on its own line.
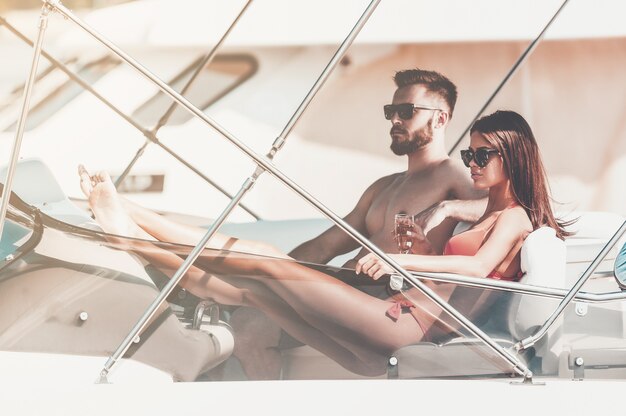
<point x="418" y="140"/>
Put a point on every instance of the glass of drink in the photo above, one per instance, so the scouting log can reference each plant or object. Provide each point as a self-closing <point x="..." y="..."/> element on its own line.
<point x="404" y="227"/>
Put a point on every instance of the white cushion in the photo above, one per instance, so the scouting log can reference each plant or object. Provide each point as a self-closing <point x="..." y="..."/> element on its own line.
<point x="35" y="184"/>
<point x="543" y="260"/>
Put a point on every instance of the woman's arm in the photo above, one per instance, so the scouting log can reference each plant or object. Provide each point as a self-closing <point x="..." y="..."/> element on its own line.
<point x="511" y="226"/>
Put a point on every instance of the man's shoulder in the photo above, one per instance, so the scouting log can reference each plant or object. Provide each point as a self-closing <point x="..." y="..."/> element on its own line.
<point x="378" y="186"/>
<point x="451" y="164"/>
<point x="454" y="176"/>
<point x="386" y="180"/>
<point x="449" y="170"/>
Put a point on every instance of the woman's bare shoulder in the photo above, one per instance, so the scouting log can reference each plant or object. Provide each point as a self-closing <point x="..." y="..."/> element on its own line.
<point x="516" y="220"/>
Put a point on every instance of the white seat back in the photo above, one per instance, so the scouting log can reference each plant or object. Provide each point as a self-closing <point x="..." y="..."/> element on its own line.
<point x="35" y="184"/>
<point x="543" y="260"/>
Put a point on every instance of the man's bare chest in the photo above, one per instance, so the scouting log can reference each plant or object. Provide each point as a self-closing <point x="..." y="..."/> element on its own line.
<point x="409" y="196"/>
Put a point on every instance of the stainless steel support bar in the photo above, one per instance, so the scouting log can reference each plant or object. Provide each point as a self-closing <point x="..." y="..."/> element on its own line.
<point x="531" y="47"/>
<point x="280" y="141"/>
<point x="150" y="137"/>
<point x="150" y="312"/>
<point x="263" y="165"/>
<point x="266" y="165"/>
<point x="17" y="144"/>
<point x="518" y="366"/>
<point x="155" y="140"/>
<point x="530" y="341"/>
<point x="62" y="67"/>
<point x="168" y="113"/>
<point x="520" y="288"/>
<point x="206" y="61"/>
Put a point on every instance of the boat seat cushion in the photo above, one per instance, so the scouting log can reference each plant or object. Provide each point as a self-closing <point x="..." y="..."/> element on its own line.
<point x="35" y="184"/>
<point x="543" y="261"/>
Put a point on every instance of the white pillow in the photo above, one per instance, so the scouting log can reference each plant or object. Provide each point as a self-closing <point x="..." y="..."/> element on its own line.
<point x="543" y="262"/>
<point x="543" y="258"/>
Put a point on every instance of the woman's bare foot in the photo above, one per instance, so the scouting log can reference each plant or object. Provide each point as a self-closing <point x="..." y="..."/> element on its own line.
<point x="106" y="205"/>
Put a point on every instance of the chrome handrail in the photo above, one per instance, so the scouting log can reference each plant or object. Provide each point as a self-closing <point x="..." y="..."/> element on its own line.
<point x="21" y="123"/>
<point x="527" y="52"/>
<point x="168" y="113"/>
<point x="264" y="164"/>
<point x="520" y="288"/>
<point x="530" y="341"/>
<point x="150" y="136"/>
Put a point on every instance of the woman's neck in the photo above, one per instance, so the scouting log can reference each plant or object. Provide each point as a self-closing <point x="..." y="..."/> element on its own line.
<point x="500" y="197"/>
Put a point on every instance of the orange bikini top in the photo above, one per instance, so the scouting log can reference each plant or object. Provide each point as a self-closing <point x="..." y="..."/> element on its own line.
<point x="469" y="242"/>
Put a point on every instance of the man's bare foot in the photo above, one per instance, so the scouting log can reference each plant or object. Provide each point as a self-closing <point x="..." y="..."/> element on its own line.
<point x="106" y="205"/>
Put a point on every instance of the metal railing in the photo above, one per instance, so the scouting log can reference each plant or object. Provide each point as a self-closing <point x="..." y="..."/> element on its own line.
<point x="527" y="52"/>
<point x="150" y="135"/>
<point x="21" y="123"/>
<point x="170" y="110"/>
<point x="264" y="165"/>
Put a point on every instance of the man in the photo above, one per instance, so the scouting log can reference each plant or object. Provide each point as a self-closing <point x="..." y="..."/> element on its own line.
<point x="434" y="184"/>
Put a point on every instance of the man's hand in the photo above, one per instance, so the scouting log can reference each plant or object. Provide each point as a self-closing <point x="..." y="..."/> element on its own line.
<point x="373" y="266"/>
<point x="419" y="242"/>
<point x="459" y="210"/>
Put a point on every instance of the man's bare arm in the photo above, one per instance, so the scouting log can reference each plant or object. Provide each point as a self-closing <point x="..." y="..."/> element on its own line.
<point x="334" y="241"/>
<point x="456" y="209"/>
<point x="466" y="203"/>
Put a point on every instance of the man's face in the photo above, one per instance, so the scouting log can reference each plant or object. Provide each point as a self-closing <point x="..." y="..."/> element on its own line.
<point x="407" y="136"/>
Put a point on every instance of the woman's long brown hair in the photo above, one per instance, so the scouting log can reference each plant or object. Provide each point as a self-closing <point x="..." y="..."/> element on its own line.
<point x="509" y="133"/>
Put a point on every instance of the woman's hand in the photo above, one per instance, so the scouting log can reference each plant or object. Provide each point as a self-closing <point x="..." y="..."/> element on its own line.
<point x="371" y="265"/>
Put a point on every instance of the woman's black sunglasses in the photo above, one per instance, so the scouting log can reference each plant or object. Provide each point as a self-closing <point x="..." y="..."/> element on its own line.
<point x="405" y="111"/>
<point x="480" y="156"/>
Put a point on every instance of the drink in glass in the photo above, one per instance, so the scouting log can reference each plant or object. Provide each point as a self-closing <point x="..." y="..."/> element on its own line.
<point x="404" y="229"/>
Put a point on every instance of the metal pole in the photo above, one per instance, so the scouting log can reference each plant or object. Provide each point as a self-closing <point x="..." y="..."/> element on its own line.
<point x="515" y="287"/>
<point x="149" y="313"/>
<point x="263" y="165"/>
<point x="15" y="153"/>
<point x="168" y="113"/>
<point x="280" y="140"/>
<point x="206" y="61"/>
<point x="150" y="137"/>
<point x="530" y="341"/>
<point x="266" y="165"/>
<point x="531" y="47"/>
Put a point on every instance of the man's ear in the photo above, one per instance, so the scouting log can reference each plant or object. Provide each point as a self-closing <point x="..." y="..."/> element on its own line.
<point x="441" y="119"/>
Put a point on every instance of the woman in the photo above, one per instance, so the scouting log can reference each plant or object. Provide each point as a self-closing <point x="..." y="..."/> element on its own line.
<point x="357" y="330"/>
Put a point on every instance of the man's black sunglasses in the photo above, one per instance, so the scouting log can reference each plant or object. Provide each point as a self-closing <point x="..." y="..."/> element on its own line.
<point x="405" y="111"/>
<point x="480" y="156"/>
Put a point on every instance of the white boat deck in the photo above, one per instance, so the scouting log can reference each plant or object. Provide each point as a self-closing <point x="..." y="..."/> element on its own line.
<point x="366" y="397"/>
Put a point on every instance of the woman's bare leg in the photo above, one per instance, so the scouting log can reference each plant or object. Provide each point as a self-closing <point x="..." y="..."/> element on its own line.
<point x="164" y="229"/>
<point x="336" y="318"/>
<point x="355" y="358"/>
<point x="341" y="311"/>
<point x="113" y="218"/>
<point x="103" y="197"/>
